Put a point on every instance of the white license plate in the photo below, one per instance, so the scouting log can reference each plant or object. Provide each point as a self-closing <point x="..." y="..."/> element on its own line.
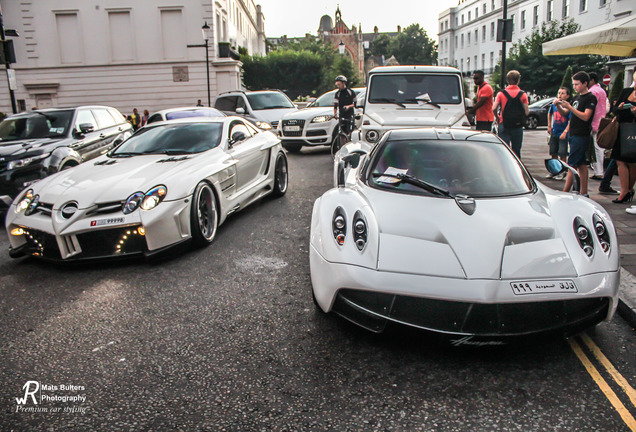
<point x="291" y="128"/>
<point x="543" y="287"/>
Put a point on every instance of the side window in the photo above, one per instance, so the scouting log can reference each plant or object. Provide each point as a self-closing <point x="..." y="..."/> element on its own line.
<point x="104" y="119"/>
<point x="240" y="103"/>
<point x="239" y="127"/>
<point x="253" y="129"/>
<point x="85" y="116"/>
<point x="154" y="118"/>
<point x="119" y="117"/>
<point x="226" y="103"/>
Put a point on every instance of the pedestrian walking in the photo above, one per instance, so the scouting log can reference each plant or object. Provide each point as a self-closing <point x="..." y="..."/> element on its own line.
<point x="581" y="147"/>
<point x="625" y="111"/>
<point x="135" y="119"/>
<point x="558" y="128"/>
<point x="483" y="108"/>
<point x="599" y="113"/>
<point x="514" y="110"/>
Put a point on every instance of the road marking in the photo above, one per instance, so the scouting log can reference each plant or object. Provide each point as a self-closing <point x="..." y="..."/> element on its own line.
<point x="605" y="388"/>
<point x="620" y="380"/>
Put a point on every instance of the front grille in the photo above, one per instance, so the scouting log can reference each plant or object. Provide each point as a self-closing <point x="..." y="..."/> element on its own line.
<point x="120" y="241"/>
<point x="293" y="122"/>
<point x="372" y="310"/>
<point x="105" y="208"/>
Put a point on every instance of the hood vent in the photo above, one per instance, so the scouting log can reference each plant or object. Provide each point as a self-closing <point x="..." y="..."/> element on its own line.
<point x="528" y="235"/>
<point x="106" y="162"/>
<point x="174" y="159"/>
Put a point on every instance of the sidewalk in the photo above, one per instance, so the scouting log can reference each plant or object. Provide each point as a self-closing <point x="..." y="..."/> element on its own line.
<point x="533" y="154"/>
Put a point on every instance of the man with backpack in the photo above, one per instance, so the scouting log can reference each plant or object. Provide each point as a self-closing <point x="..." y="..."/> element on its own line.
<point x="514" y="110"/>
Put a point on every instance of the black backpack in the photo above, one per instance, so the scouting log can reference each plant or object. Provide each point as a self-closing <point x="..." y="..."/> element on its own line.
<point x="514" y="116"/>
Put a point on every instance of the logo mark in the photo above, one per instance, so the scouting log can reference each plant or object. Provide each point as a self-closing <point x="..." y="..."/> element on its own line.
<point x="28" y="392"/>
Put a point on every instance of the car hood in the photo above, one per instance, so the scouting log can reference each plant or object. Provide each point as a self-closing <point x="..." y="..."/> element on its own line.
<point x="507" y="238"/>
<point x="420" y="116"/>
<point x="272" y="115"/>
<point x="23" y="148"/>
<point x="96" y="182"/>
<point x="308" y="113"/>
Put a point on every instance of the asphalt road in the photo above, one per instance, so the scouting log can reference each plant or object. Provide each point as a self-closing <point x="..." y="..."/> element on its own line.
<point x="227" y="338"/>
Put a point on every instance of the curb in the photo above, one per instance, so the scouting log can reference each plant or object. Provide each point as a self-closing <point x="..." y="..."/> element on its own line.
<point x="627" y="299"/>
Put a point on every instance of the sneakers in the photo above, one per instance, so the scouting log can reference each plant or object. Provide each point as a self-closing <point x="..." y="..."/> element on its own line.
<point x="549" y="176"/>
<point x="560" y="176"/>
<point x="608" y="190"/>
<point x="596" y="177"/>
<point x="631" y="210"/>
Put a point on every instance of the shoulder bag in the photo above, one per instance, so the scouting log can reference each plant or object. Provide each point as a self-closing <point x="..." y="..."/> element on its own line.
<point x="607" y="133"/>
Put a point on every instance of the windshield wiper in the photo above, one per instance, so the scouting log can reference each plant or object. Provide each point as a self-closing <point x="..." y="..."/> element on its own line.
<point x="123" y="154"/>
<point x="393" y="101"/>
<point x="405" y="178"/>
<point x="168" y="152"/>
<point x="424" y="101"/>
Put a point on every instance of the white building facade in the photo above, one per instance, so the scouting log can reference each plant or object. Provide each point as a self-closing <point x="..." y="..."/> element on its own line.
<point x="125" y="54"/>
<point x="468" y="32"/>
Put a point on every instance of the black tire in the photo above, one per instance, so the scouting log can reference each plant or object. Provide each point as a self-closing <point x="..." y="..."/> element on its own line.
<point x="281" y="175"/>
<point x="292" y="147"/>
<point x="532" y="122"/>
<point x="336" y="144"/>
<point x="204" y="218"/>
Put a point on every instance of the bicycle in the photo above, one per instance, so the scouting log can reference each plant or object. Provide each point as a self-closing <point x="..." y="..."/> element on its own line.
<point x="342" y="137"/>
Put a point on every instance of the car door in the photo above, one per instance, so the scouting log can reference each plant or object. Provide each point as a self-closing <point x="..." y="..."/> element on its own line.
<point x="87" y="144"/>
<point x="108" y="131"/>
<point x="251" y="161"/>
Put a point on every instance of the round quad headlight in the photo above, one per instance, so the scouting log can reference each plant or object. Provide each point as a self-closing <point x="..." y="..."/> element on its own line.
<point x="132" y="202"/>
<point x="25" y="201"/>
<point x="582" y="232"/>
<point x="153" y="197"/>
<point x="372" y="136"/>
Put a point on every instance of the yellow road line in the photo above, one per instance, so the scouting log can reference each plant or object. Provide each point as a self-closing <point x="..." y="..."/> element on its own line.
<point x="620" y="380"/>
<point x="605" y="388"/>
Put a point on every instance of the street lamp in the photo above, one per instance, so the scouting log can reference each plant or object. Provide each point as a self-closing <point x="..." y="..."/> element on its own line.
<point x="205" y="32"/>
<point x="341" y="47"/>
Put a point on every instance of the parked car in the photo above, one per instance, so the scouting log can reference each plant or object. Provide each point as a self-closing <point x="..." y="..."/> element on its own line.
<point x="36" y="144"/>
<point x="264" y="108"/>
<point x="313" y="125"/>
<point x="538" y="115"/>
<point x="477" y="249"/>
<point x="169" y="183"/>
<point x="412" y="96"/>
<point x="183" y="112"/>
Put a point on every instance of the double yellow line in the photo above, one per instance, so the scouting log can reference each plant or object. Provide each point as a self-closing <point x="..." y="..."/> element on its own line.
<point x="600" y="381"/>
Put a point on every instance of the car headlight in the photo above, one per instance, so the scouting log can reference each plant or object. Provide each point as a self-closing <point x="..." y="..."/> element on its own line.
<point x="372" y="136"/>
<point x="263" y="125"/>
<point x="25" y="201"/>
<point x="360" y="230"/>
<point x="153" y="197"/>
<point x="26" y="161"/>
<point x="339" y="226"/>
<point x="321" y="118"/>
<point x="601" y="233"/>
<point x="132" y="202"/>
<point x="583" y="236"/>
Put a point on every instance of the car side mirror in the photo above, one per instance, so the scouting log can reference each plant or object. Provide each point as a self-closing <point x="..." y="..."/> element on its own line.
<point x="341" y="173"/>
<point x="557" y="166"/>
<point x="352" y="160"/>
<point x="359" y="103"/>
<point x="118" y="141"/>
<point x="240" y="111"/>
<point x="86" y="128"/>
<point x="237" y="136"/>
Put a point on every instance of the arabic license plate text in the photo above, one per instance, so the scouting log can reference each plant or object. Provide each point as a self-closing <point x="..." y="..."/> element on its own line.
<point x="543" y="287"/>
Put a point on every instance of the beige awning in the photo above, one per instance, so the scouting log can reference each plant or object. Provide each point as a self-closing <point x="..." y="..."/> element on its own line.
<point x="615" y="38"/>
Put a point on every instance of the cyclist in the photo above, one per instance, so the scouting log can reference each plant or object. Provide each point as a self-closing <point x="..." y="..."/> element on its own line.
<point x="344" y="106"/>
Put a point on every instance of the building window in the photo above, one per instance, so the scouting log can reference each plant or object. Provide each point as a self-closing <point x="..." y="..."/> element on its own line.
<point x="523" y="19"/>
<point x="462" y="41"/>
<point x="566" y="8"/>
<point x="461" y="63"/>
<point x="512" y="17"/>
<point x="602" y="3"/>
<point x="535" y="16"/>
<point x="476" y="36"/>
<point x="69" y="38"/>
<point x="476" y="13"/>
<point x="493" y="5"/>
<point x="550" y="5"/>
<point x="583" y="6"/>
<point x="173" y="36"/>
<point x="456" y="22"/>
<point x="483" y="33"/>
<point x="483" y="61"/>
<point x="492" y="60"/>
<point x="484" y="9"/>
<point x="468" y="16"/>
<point x="468" y="40"/>
<point x="492" y="30"/>
<point x="122" y="40"/>
<point x="462" y="19"/>
<point x="455" y="42"/>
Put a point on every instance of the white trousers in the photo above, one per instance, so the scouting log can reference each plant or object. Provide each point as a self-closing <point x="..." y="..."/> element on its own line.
<point x="597" y="166"/>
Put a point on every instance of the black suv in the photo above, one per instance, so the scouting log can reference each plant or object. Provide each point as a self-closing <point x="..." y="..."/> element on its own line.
<point x="36" y="144"/>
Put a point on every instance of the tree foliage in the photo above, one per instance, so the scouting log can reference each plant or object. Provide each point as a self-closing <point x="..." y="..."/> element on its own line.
<point x="541" y="75"/>
<point x="307" y="67"/>
<point x="617" y="85"/>
<point x="411" y="46"/>
<point x="567" y="80"/>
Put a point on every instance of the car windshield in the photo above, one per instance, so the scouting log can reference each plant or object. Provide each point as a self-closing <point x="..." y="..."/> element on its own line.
<point x="413" y="88"/>
<point x="269" y="100"/>
<point x="326" y="100"/>
<point x="36" y="124"/>
<point x="172" y="139"/>
<point x="203" y="112"/>
<point x="541" y="103"/>
<point x="473" y="168"/>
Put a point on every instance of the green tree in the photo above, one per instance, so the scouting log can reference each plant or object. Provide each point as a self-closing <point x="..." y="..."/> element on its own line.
<point x="541" y="75"/>
<point x="342" y="66"/>
<point x="381" y="45"/>
<point x="567" y="80"/>
<point x="411" y="46"/>
<point x="617" y="86"/>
